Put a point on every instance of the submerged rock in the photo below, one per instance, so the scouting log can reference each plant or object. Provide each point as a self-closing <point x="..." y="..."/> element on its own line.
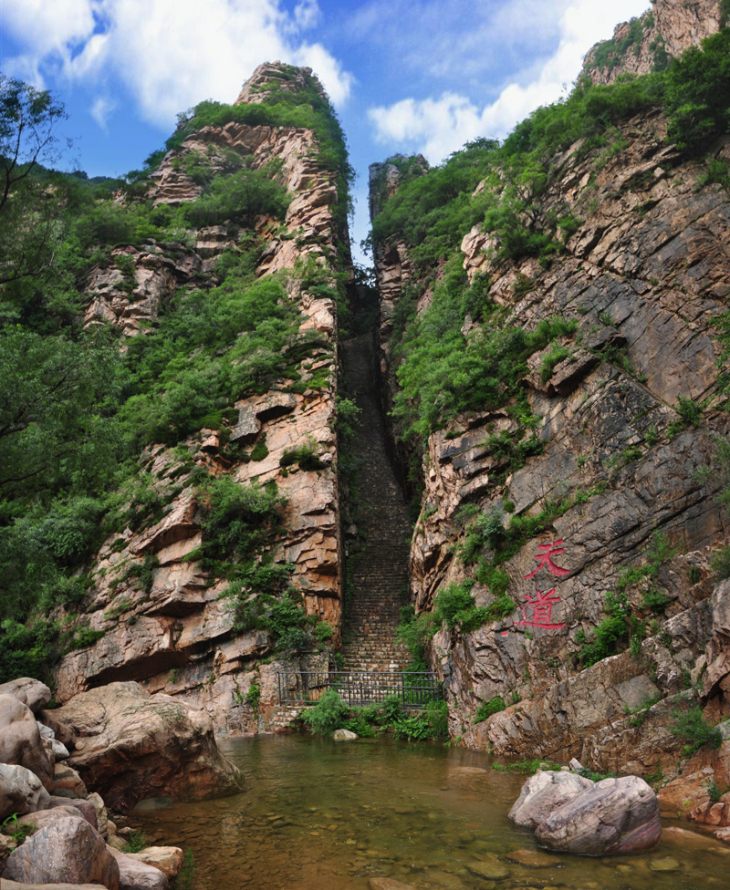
<point x="613" y="816"/>
<point x="132" y="745"/>
<point x="344" y="735"/>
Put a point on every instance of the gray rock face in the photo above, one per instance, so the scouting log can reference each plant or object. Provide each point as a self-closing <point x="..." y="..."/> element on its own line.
<point x="68" y="850"/>
<point x="21" y="791"/>
<point x="20" y="740"/>
<point x="544" y="793"/>
<point x="33" y="693"/>
<point x="613" y="816"/>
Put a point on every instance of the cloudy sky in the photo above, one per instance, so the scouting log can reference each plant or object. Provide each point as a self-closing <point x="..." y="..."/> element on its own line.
<point x="404" y="75"/>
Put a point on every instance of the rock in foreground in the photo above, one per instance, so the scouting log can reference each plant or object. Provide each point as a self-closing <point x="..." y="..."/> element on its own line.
<point x="67" y="850"/>
<point x="132" y="745"/>
<point x="608" y="817"/>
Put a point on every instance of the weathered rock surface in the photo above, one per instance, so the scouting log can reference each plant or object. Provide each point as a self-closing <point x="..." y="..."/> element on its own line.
<point x="66" y="851"/>
<point x="613" y="816"/>
<point x="168" y="860"/>
<point x="132" y="746"/>
<point x="613" y="449"/>
<point x="33" y="693"/>
<point x="688" y="796"/>
<point x="137" y="875"/>
<point x="664" y="32"/>
<point x="85" y="807"/>
<point x="21" y="791"/>
<point x="543" y="793"/>
<point x="20" y="740"/>
<point x="67" y="779"/>
<point x="178" y="638"/>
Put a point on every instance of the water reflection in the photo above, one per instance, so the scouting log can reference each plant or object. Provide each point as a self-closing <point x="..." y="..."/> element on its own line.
<point x="332" y="816"/>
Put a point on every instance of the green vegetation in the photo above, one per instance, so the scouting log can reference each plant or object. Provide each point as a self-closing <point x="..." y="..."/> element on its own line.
<point x="692" y="727"/>
<point x="388" y="716"/>
<point x="526" y="767"/>
<point x="76" y="409"/>
<point x="610" y="53"/>
<point x="136" y="842"/>
<point x="621" y="623"/>
<point x="185" y="880"/>
<point x="487" y="708"/>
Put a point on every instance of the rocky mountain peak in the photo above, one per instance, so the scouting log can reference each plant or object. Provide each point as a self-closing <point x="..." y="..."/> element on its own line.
<point x="650" y="42"/>
<point x="271" y="76"/>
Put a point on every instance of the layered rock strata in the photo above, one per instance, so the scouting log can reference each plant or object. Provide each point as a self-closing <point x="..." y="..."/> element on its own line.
<point x="645" y="276"/>
<point x="176" y="636"/>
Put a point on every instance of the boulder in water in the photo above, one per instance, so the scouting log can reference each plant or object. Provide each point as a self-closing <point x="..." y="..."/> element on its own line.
<point x="613" y="816"/>
<point x="544" y="793"/>
<point x="131" y="745"/>
<point x="344" y="735"/>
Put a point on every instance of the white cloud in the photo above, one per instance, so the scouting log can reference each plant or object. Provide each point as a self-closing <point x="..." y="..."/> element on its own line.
<point x="169" y="53"/>
<point x="101" y="110"/>
<point x="438" y="126"/>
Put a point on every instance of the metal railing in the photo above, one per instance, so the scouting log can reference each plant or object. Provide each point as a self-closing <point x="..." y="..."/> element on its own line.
<point x="414" y="688"/>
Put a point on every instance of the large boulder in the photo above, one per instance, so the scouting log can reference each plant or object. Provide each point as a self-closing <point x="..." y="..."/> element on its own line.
<point x="21" y="791"/>
<point x="613" y="816"/>
<point x="544" y="793"/>
<point x="137" y="875"/>
<point x="20" y="740"/>
<point x="33" y="693"/>
<point x="132" y="745"/>
<point x="66" y="851"/>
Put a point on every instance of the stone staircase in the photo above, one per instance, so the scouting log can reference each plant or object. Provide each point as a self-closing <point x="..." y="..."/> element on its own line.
<point x="379" y="573"/>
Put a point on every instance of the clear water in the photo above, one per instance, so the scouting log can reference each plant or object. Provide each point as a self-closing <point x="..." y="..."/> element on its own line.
<point x="318" y="815"/>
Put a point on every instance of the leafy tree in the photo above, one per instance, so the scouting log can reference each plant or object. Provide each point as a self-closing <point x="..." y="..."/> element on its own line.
<point x="28" y="210"/>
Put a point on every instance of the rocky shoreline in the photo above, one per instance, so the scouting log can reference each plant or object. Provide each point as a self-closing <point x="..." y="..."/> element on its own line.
<point x="126" y="746"/>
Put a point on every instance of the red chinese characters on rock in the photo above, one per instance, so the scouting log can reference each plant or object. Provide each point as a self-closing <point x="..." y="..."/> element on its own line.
<point x="544" y="558"/>
<point x="541" y="605"/>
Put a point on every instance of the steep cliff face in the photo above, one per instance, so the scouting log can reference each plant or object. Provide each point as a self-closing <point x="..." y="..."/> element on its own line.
<point x="650" y="42"/>
<point x="561" y="560"/>
<point x="156" y="602"/>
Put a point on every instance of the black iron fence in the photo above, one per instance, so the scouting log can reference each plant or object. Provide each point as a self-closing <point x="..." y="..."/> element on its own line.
<point x="415" y="689"/>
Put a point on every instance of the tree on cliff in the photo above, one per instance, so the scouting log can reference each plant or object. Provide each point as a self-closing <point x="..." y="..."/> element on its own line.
<point x="28" y="205"/>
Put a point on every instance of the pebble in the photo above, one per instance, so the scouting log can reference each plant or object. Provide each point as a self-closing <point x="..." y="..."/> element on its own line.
<point x="665" y="864"/>
<point x="493" y="871"/>
<point x="532" y="858"/>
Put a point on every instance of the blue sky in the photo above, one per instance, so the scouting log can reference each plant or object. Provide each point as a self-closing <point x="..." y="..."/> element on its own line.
<point x="404" y="75"/>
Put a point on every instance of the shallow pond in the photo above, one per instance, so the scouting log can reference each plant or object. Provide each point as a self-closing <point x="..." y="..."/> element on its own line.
<point x="318" y="815"/>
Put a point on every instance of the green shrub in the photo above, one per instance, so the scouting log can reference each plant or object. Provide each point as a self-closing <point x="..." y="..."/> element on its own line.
<point x="613" y="628"/>
<point x="691" y="727"/>
<point x="327" y="715"/>
<point x="240" y="197"/>
<point x="304" y="455"/>
<point x="487" y="708"/>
